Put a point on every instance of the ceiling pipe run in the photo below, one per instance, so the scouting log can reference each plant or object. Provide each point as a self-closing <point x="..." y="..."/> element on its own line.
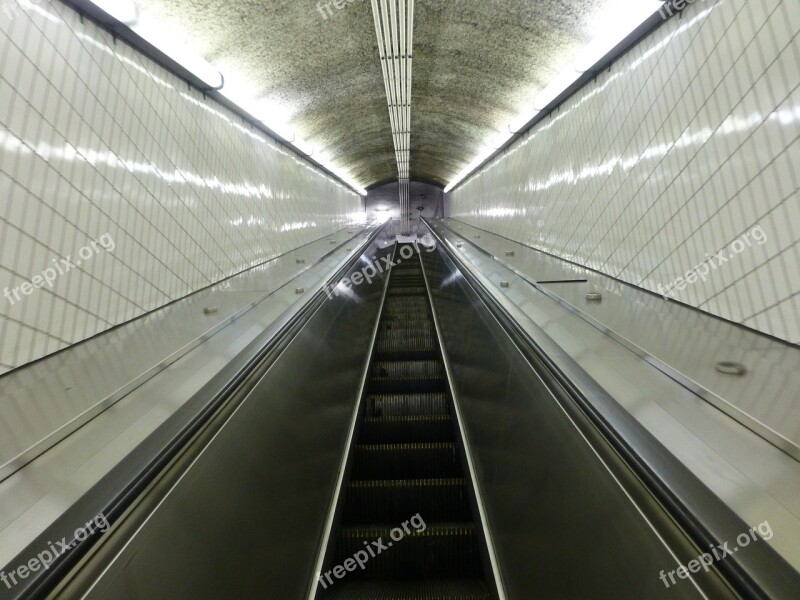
<point x="394" y="29"/>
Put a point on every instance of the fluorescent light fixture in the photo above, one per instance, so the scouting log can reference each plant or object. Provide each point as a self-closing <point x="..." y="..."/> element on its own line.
<point x="241" y="92"/>
<point x="324" y="160"/>
<point x="394" y="30"/>
<point x="554" y="89"/>
<point x="235" y="88"/>
<point x="285" y="131"/>
<point x="500" y="139"/>
<point x="523" y="118"/>
<point x="616" y="19"/>
<point x="164" y="39"/>
<point x="485" y="153"/>
<point x="303" y="146"/>
<point x="274" y="115"/>
<point x="262" y="111"/>
<point x="123" y="11"/>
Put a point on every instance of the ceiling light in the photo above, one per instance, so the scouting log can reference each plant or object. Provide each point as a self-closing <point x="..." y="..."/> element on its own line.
<point x="500" y="139"/>
<point x="523" y="118"/>
<point x="555" y="88"/>
<point x="615" y="20"/>
<point x="242" y="93"/>
<point x="236" y="88"/>
<point x="164" y="39"/>
<point x="394" y="30"/>
<point x="261" y="110"/>
<point x="303" y="146"/>
<point x="485" y="153"/>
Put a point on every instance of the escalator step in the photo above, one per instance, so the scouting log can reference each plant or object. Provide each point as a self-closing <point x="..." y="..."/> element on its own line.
<point x="431" y="589"/>
<point x="406" y="322"/>
<point x="409" y="320"/>
<point x="396" y="376"/>
<point x="406" y="339"/>
<point x="414" y="428"/>
<point x="405" y="461"/>
<point x="405" y="405"/>
<point x="407" y="281"/>
<point x="407" y="369"/>
<point x="417" y="290"/>
<point x="392" y="501"/>
<point x="442" y="550"/>
<point x="406" y="303"/>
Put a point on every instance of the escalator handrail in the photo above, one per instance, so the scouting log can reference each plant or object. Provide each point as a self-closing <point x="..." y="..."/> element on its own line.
<point x="703" y="517"/>
<point x="119" y="489"/>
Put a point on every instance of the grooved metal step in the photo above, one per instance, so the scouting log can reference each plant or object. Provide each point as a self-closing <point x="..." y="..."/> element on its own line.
<point x="406" y="464"/>
<point x="440" y="550"/>
<point x="404" y="405"/>
<point x="417" y="304"/>
<point x="406" y="340"/>
<point x="417" y="290"/>
<point x="393" y="501"/>
<point x="404" y="461"/>
<point x="408" y="429"/>
<point x="398" y="376"/>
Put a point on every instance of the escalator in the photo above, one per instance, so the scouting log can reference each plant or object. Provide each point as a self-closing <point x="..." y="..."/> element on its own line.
<point x="409" y="495"/>
<point x="333" y="465"/>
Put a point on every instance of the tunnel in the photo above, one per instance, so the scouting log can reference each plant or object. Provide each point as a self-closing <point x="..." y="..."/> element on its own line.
<point x="399" y="299"/>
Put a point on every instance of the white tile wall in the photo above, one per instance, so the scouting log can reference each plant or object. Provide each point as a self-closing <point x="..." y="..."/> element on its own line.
<point x="689" y="142"/>
<point x="96" y="139"/>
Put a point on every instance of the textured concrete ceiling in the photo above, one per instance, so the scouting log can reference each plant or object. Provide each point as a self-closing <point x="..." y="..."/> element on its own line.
<point x="476" y="62"/>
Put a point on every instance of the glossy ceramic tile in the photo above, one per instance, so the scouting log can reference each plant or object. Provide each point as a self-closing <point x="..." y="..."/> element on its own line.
<point x="100" y="145"/>
<point x="755" y="478"/>
<point x="683" y="343"/>
<point x="678" y="152"/>
<point x="32" y="497"/>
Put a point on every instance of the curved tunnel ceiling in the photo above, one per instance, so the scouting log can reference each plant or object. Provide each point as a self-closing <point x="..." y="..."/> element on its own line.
<point x="476" y="63"/>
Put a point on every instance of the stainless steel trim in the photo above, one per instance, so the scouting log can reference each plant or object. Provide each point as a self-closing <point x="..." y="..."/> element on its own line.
<point x="498" y="579"/>
<point x="166" y="481"/>
<point x="37" y="449"/>
<point x="752" y="423"/>
<point x="173" y="483"/>
<point x="345" y="455"/>
<point x="694" y="505"/>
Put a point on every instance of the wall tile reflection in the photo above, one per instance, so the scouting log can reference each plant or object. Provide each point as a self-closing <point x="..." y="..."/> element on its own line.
<point x="95" y="140"/>
<point x="691" y="140"/>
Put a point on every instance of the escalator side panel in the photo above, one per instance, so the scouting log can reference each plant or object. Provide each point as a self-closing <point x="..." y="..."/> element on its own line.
<point x="245" y="520"/>
<point x="561" y="525"/>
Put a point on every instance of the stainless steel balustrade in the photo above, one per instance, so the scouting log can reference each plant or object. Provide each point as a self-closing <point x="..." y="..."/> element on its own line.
<point x="577" y="502"/>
